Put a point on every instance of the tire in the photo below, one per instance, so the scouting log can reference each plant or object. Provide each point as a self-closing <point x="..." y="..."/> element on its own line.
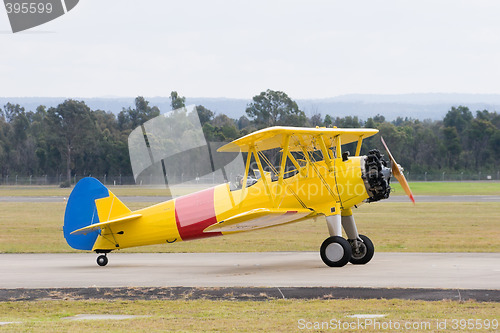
<point x="365" y="254"/>
<point x="102" y="260"/>
<point x="335" y="251"/>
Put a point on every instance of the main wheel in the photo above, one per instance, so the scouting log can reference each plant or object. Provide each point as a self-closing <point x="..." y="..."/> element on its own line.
<point x="363" y="252"/>
<point x="102" y="260"/>
<point x="335" y="251"/>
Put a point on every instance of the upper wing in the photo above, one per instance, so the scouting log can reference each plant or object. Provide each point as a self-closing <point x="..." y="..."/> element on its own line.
<point x="273" y="137"/>
<point x="259" y="218"/>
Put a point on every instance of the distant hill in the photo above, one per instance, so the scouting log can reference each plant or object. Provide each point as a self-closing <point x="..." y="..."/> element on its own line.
<point x="417" y="106"/>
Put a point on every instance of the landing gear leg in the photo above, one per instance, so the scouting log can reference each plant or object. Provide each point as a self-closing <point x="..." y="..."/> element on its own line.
<point x="102" y="260"/>
<point x="361" y="246"/>
<point x="335" y="250"/>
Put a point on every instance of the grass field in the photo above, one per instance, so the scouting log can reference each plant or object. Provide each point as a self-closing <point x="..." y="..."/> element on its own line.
<point x="400" y="227"/>
<point x="450" y="188"/>
<point x="46" y="191"/>
<point x="425" y="227"/>
<point x="422" y="188"/>
<point x="268" y="316"/>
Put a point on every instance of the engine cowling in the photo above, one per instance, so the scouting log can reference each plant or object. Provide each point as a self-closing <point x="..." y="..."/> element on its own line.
<point x="376" y="175"/>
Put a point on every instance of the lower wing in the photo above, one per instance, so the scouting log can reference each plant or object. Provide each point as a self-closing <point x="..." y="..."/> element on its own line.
<point x="259" y="218"/>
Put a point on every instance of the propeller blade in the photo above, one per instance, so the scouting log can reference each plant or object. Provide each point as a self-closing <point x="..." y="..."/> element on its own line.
<point x="398" y="174"/>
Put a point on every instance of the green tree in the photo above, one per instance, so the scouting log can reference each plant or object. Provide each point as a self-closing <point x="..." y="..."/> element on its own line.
<point x="177" y="102"/>
<point x="480" y="135"/>
<point x="71" y="129"/>
<point x="73" y="137"/>
<point x="328" y="121"/>
<point x="204" y="114"/>
<point x="212" y="133"/>
<point x="226" y="126"/>
<point x="243" y="122"/>
<point x="460" y="118"/>
<point x="19" y="147"/>
<point x="453" y="146"/>
<point x="271" y="108"/>
<point x="347" y="122"/>
<point x="495" y="145"/>
<point x="129" y="118"/>
<point x="11" y="111"/>
<point x="316" y="120"/>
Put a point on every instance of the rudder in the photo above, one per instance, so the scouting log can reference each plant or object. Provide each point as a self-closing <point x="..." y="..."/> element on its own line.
<point x="81" y="211"/>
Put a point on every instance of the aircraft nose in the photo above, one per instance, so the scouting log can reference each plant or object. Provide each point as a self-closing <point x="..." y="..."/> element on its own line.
<point x="376" y="176"/>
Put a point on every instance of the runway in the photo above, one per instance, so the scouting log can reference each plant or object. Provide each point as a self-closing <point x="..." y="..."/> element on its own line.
<point x="273" y="269"/>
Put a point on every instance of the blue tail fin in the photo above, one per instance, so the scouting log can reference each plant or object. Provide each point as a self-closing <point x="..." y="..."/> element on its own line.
<point x="81" y="211"/>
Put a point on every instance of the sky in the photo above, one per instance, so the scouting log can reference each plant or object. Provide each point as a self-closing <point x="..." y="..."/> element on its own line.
<point x="238" y="48"/>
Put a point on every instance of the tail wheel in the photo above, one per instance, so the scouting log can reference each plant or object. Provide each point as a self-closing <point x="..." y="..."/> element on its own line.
<point x="362" y="252"/>
<point x="335" y="251"/>
<point x="102" y="260"/>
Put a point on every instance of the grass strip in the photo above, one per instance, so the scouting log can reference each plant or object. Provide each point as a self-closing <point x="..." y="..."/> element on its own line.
<point x="393" y="227"/>
<point x="247" y="316"/>
<point x="418" y="188"/>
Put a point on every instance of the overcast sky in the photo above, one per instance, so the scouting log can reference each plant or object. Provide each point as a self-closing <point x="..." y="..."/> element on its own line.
<point x="205" y="48"/>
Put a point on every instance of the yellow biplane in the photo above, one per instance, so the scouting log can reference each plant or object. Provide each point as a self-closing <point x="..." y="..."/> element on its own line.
<point x="312" y="177"/>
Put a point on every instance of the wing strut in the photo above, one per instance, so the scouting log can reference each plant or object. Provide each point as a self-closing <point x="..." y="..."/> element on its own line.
<point x="326" y="156"/>
<point x="286" y="184"/>
<point x="358" y="147"/>
<point x="245" y="177"/>
<point x="286" y="148"/>
<point x="262" y="174"/>
<point x="294" y="161"/>
<point x="306" y="155"/>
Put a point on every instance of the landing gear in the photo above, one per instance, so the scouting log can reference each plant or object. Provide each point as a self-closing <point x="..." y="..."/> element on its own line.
<point x="335" y="251"/>
<point x="362" y="250"/>
<point x="102" y="260"/>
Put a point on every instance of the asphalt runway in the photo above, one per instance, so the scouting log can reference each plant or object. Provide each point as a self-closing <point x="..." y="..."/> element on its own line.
<point x="273" y="269"/>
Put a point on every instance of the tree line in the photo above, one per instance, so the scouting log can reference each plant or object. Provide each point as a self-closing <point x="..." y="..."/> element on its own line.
<point x="73" y="139"/>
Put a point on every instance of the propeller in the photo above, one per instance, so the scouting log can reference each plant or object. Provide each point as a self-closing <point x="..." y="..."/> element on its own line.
<point x="396" y="171"/>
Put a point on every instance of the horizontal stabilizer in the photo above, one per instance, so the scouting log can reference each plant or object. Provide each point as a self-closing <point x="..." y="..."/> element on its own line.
<point x="101" y="225"/>
<point x="257" y="219"/>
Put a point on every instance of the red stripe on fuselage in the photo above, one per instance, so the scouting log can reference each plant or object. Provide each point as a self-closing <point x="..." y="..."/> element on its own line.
<point x="195" y="212"/>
